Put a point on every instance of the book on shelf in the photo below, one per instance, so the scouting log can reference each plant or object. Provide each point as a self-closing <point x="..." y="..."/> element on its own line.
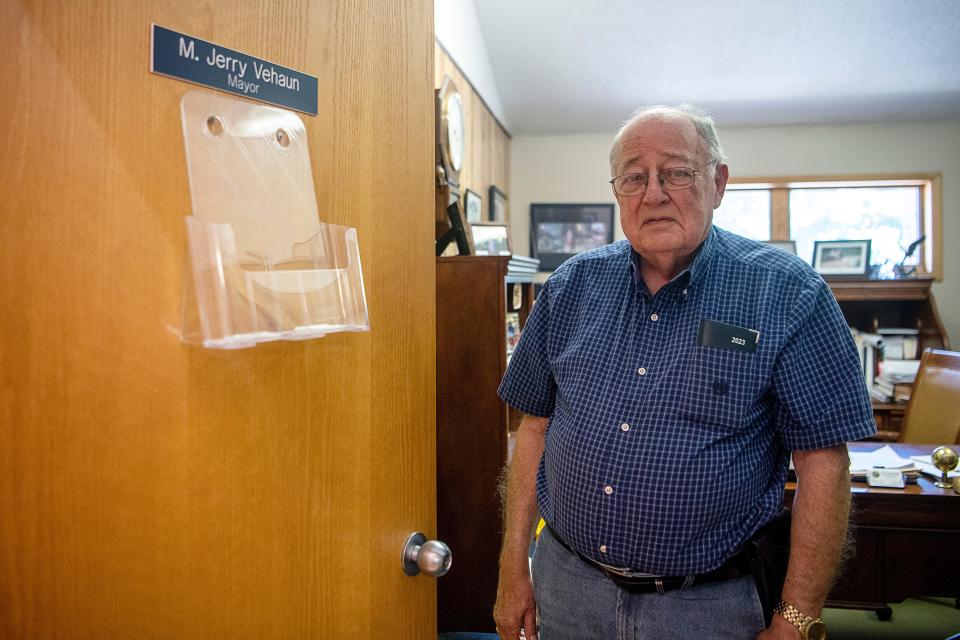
<point x="899" y="370"/>
<point x="887" y="391"/>
<point x="895" y="382"/>
<point x="512" y="269"/>
<point x="523" y="265"/>
<point x="522" y="269"/>
<point x="868" y="348"/>
<point x="902" y="391"/>
<point x="525" y="260"/>
<point x="900" y="343"/>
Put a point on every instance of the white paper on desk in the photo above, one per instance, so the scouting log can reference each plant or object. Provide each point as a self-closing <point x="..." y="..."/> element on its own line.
<point x="884" y="457"/>
<point x="924" y="464"/>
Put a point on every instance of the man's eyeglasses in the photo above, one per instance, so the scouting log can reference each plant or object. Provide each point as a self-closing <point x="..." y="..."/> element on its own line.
<point x="671" y="179"/>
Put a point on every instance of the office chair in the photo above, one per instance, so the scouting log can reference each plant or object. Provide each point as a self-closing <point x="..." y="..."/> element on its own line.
<point x="933" y="413"/>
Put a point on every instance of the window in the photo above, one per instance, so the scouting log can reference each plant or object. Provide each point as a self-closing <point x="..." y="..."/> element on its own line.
<point x="889" y="216"/>
<point x="892" y="212"/>
<point x="746" y="212"/>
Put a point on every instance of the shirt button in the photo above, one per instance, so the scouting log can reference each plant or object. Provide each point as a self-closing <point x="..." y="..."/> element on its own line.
<point x="642" y="371"/>
<point x="654" y="317"/>
<point x="603" y="548"/>
<point x="624" y="427"/>
<point x="608" y="490"/>
<point x="684" y="292"/>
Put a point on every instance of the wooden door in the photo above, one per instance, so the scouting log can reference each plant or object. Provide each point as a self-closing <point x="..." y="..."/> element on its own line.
<point x="150" y="489"/>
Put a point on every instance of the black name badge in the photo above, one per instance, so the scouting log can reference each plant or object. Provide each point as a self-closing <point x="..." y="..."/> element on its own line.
<point x="720" y="335"/>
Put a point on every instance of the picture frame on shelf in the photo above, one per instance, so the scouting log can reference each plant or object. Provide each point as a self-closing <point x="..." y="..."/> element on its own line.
<point x="513" y="330"/>
<point x="458" y="239"/>
<point x="498" y="205"/>
<point x="560" y="231"/>
<point x="473" y="206"/>
<point x="842" y="257"/>
<point x="491" y="239"/>
<point x="790" y="246"/>
<point x="516" y="296"/>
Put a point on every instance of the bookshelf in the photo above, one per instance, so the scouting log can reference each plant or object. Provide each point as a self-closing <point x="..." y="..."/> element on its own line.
<point x="474" y="296"/>
<point x="870" y="305"/>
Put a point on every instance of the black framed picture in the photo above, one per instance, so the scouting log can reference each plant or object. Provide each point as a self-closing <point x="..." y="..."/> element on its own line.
<point x="841" y="257"/>
<point x="560" y="231"/>
<point x="498" y="205"/>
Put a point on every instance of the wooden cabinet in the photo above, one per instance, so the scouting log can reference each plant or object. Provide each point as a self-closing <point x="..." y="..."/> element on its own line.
<point x="473" y="300"/>
<point x="869" y="305"/>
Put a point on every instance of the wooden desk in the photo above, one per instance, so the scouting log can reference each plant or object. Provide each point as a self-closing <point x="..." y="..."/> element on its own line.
<point x="907" y="541"/>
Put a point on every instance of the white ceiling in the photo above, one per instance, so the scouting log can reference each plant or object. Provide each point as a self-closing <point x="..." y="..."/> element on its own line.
<point x="581" y="66"/>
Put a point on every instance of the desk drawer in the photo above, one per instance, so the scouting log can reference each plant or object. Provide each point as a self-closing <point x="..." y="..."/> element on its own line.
<point x="920" y="562"/>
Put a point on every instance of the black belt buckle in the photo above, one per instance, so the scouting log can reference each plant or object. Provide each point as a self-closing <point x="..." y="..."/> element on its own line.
<point x="648" y="585"/>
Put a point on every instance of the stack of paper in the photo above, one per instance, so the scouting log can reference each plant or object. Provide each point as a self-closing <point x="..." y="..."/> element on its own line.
<point x="923" y="463"/>
<point x="883" y="458"/>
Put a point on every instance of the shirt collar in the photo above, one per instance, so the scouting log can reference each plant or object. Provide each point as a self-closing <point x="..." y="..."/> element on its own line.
<point x="694" y="272"/>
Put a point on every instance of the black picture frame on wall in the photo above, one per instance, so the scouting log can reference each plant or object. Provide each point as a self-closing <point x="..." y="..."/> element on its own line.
<point x="561" y="231"/>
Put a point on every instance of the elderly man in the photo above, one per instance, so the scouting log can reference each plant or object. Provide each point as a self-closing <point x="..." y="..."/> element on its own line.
<point x="665" y="381"/>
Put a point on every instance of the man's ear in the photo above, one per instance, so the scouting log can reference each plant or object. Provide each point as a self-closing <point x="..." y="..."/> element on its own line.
<point x="721" y="175"/>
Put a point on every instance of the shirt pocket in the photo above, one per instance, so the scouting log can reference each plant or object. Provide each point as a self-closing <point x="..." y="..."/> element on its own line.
<point x="720" y="387"/>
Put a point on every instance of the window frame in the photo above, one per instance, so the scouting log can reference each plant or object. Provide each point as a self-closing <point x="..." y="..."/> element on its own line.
<point x="931" y="199"/>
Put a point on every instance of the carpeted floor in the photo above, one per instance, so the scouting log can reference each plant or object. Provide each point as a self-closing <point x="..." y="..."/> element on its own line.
<point x="914" y="619"/>
<point x="920" y="619"/>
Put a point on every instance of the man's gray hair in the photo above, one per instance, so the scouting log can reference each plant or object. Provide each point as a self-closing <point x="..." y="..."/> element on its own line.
<point x="700" y="120"/>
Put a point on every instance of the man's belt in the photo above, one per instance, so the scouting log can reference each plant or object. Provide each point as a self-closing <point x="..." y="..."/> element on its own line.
<point x="738" y="565"/>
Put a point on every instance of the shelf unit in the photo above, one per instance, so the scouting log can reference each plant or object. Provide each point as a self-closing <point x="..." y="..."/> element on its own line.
<point x="473" y="298"/>
<point x="869" y="305"/>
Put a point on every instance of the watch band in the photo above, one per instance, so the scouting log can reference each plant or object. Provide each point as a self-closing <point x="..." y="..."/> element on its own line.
<point x="796" y="617"/>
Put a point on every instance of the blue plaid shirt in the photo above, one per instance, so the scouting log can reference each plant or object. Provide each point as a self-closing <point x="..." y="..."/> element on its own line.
<point x="663" y="456"/>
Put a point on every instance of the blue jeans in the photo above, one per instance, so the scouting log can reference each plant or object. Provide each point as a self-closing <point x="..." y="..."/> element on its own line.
<point x="575" y="601"/>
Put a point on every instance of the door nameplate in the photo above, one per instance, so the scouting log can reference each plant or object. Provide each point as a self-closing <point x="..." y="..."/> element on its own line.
<point x="194" y="60"/>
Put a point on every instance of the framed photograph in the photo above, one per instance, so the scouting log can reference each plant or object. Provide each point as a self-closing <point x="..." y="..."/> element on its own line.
<point x="841" y="257"/>
<point x="790" y="246"/>
<point x="498" y="205"/>
<point x="513" y="331"/>
<point x="458" y="239"/>
<point x="473" y="206"/>
<point x="491" y="239"/>
<point x="516" y="296"/>
<point x="560" y="231"/>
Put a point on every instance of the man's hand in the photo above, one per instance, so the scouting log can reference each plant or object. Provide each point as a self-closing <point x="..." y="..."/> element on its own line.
<point x="515" y="607"/>
<point x="818" y="532"/>
<point x="779" y="629"/>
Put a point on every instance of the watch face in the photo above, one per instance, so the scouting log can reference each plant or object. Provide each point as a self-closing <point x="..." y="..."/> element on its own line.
<point x="816" y="631"/>
<point x="454" y="116"/>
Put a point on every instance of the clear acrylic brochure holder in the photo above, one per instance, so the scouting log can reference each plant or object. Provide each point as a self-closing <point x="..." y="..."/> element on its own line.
<point x="262" y="266"/>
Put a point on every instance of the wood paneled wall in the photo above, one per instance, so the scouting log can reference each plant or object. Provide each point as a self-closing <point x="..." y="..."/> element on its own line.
<point x="487" y="160"/>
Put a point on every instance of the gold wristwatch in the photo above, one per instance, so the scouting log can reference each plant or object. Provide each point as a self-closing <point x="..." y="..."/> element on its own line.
<point x="810" y="628"/>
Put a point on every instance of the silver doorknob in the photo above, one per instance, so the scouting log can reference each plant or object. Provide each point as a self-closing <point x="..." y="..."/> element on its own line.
<point x="430" y="556"/>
